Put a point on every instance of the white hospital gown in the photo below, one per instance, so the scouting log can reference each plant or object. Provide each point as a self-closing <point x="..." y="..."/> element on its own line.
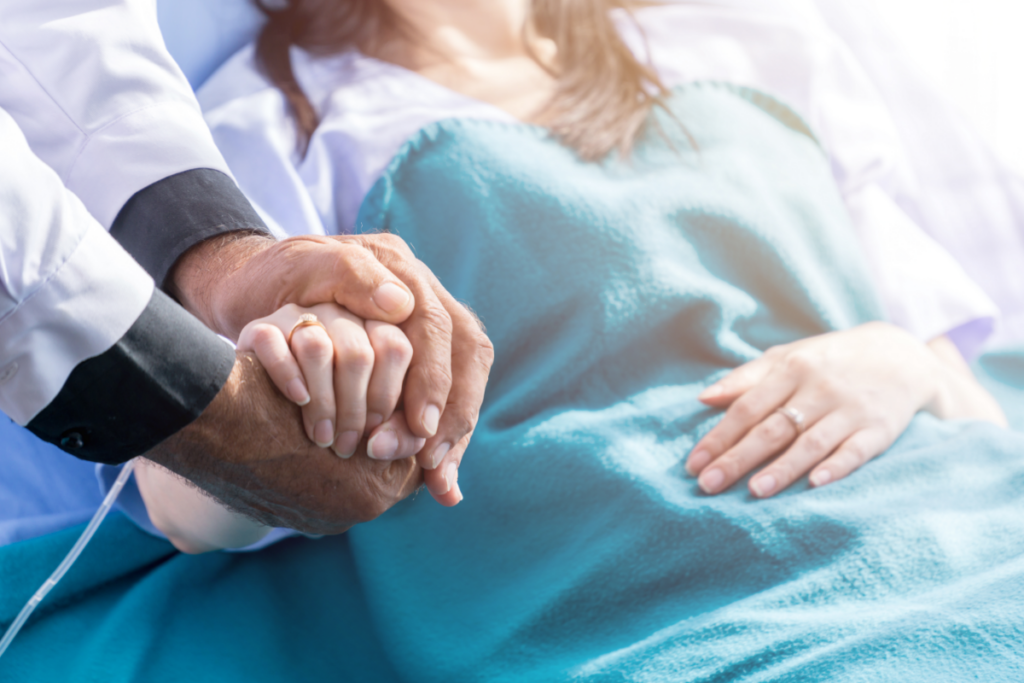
<point x="369" y="108"/>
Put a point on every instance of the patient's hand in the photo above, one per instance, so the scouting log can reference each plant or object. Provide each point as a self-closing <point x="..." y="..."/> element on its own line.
<point x="347" y="374"/>
<point x="853" y="393"/>
<point x="344" y="372"/>
<point x="230" y="280"/>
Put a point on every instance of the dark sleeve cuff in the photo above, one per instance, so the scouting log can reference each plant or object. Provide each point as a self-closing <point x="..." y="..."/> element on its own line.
<point x="152" y="383"/>
<point x="163" y="221"/>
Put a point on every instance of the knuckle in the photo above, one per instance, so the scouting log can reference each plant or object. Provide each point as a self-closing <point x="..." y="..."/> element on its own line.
<point x="742" y="411"/>
<point x="350" y="416"/>
<point x="784" y="472"/>
<point x="262" y="333"/>
<point x="815" y="442"/>
<point x="392" y="240"/>
<point x="438" y="378"/>
<point x="861" y="407"/>
<point x="437" y="320"/>
<point x="356" y="354"/>
<point x="730" y="467"/>
<point x="713" y="444"/>
<point x="391" y="342"/>
<point x="852" y="456"/>
<point x="461" y="422"/>
<point x="800" y="363"/>
<point x="312" y="346"/>
<point x="484" y="351"/>
<point x="773" y="431"/>
<point x="829" y="387"/>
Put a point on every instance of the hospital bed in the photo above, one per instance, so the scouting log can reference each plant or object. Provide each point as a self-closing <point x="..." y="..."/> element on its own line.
<point x="332" y="633"/>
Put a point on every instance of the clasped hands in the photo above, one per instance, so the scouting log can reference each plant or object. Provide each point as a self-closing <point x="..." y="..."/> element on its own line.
<point x="396" y="336"/>
<point x="346" y="374"/>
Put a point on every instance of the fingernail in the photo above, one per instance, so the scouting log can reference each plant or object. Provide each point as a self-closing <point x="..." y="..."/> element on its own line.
<point x="431" y="416"/>
<point x="419" y="444"/>
<point x="714" y="391"/>
<point x="345" y="446"/>
<point x="763" y="486"/>
<point x="383" y="445"/>
<point x="458" y="492"/>
<point x="821" y="477"/>
<point x="451" y="476"/>
<point x="373" y="420"/>
<point x="390" y="297"/>
<point x="439" y="454"/>
<point x="711" y="480"/>
<point x="323" y="433"/>
<point x="697" y="461"/>
<point x="297" y="391"/>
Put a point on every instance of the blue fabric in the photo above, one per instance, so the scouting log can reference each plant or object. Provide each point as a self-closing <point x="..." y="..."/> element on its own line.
<point x="613" y="293"/>
<point x="202" y="34"/>
<point x="42" y="488"/>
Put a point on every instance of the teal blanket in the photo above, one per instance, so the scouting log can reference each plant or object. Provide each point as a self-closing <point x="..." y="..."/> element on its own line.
<point x="614" y="292"/>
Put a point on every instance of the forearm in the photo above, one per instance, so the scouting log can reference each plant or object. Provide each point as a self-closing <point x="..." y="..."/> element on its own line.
<point x="248" y="450"/>
<point x="192" y="520"/>
<point x="92" y="358"/>
<point x="959" y="394"/>
<point x="200" y="278"/>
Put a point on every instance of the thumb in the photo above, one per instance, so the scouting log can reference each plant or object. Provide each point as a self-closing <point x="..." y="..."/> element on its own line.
<point x="351" y="276"/>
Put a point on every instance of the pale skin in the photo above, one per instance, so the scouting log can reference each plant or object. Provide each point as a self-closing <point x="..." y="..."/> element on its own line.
<point x="348" y="363"/>
<point x="858" y="389"/>
<point x="231" y="280"/>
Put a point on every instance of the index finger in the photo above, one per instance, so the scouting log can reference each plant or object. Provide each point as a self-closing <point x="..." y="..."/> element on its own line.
<point x="472" y="356"/>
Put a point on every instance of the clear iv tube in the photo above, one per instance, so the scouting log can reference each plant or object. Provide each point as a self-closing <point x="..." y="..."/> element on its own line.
<point x="69" y="560"/>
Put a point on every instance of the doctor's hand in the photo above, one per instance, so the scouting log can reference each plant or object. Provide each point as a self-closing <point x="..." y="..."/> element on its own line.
<point x="346" y="374"/>
<point x="828" y="404"/>
<point x="249" y="450"/>
<point x="234" y="279"/>
<point x="229" y="281"/>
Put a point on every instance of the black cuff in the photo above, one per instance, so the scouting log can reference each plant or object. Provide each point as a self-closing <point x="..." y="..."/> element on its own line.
<point x="156" y="380"/>
<point x="163" y="221"/>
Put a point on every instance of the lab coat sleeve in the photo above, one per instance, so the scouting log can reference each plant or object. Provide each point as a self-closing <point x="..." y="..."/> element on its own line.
<point x="100" y="100"/>
<point x="93" y="358"/>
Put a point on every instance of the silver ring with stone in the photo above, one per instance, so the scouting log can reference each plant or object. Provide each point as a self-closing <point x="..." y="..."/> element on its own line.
<point x="795" y="416"/>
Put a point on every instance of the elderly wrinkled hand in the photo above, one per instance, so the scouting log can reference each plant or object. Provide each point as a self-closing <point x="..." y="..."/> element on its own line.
<point x="828" y="404"/>
<point x="249" y="450"/>
<point x="231" y="281"/>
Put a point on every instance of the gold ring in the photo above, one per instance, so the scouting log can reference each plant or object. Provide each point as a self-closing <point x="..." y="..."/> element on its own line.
<point x="305" y="320"/>
<point x="794" y="416"/>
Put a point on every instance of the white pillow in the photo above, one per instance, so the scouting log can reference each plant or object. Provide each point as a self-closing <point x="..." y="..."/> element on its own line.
<point x="202" y="34"/>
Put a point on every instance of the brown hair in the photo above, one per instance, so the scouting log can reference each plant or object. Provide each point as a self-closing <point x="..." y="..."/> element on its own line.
<point x="602" y="97"/>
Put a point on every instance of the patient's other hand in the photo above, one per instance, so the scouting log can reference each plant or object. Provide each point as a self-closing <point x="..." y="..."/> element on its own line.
<point x="249" y="450"/>
<point x="849" y="395"/>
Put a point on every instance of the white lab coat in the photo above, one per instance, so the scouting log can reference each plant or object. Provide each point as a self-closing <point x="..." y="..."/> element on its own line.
<point x="92" y="110"/>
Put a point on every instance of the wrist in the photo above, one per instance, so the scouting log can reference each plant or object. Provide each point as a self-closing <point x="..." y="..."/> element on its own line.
<point x="960" y="395"/>
<point x="203" y="278"/>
